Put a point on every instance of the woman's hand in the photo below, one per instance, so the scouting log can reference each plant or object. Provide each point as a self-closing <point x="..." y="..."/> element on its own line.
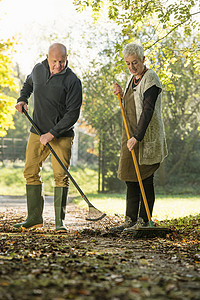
<point x="21" y="104"/>
<point x="131" y="143"/>
<point x="117" y="89"/>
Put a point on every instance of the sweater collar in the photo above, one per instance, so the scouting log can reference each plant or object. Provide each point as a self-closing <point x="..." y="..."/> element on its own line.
<point x="46" y="65"/>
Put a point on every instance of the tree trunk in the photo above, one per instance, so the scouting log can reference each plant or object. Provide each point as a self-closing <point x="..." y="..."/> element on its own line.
<point x="103" y="166"/>
<point x="99" y="168"/>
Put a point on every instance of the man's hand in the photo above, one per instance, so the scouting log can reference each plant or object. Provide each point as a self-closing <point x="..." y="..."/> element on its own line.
<point x="21" y="104"/>
<point x="131" y="143"/>
<point x="45" y="138"/>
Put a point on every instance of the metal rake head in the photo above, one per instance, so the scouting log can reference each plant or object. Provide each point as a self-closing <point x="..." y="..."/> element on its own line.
<point x="94" y="214"/>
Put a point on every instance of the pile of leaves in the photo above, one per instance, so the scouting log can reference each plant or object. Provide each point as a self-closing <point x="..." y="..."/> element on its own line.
<point x="92" y="263"/>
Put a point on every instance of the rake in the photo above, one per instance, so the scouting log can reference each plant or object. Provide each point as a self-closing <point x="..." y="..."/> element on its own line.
<point x="150" y="231"/>
<point x="94" y="214"/>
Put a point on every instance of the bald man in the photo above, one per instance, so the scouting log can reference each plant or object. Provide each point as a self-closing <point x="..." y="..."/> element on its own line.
<point x="57" y="101"/>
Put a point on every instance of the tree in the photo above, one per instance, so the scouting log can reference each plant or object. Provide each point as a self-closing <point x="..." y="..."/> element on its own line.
<point x="169" y="33"/>
<point x="132" y="14"/>
<point x="21" y="124"/>
<point x="8" y="87"/>
<point x="181" y="108"/>
<point x="151" y="22"/>
<point x="101" y="111"/>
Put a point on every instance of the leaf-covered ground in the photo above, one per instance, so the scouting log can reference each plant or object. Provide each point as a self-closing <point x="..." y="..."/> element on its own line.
<point x="90" y="263"/>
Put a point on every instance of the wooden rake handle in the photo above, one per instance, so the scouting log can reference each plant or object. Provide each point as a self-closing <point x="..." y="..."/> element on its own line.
<point x="135" y="163"/>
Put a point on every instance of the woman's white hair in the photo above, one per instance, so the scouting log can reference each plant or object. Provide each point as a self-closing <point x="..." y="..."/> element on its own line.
<point x="134" y="48"/>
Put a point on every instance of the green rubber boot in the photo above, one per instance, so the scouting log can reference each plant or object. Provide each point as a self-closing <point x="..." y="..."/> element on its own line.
<point x="60" y="201"/>
<point x="35" y="204"/>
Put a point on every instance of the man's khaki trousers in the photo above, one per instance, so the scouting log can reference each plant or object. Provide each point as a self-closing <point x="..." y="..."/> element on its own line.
<point x="36" y="154"/>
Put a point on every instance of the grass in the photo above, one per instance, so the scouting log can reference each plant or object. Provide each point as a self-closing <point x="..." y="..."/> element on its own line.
<point x="12" y="180"/>
<point x="166" y="206"/>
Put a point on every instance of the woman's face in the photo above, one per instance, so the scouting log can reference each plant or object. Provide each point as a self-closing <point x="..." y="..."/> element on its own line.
<point x="135" y="65"/>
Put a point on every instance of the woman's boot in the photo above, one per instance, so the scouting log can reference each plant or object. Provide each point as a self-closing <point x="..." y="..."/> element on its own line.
<point x="60" y="201"/>
<point x="150" y="195"/>
<point x="35" y="204"/>
<point x="132" y="207"/>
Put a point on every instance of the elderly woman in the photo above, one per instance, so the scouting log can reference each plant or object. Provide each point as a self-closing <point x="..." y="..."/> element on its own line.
<point x="142" y="106"/>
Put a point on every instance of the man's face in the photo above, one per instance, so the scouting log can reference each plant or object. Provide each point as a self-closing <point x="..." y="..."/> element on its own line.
<point x="57" y="60"/>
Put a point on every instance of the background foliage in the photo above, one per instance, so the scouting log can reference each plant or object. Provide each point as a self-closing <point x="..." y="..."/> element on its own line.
<point x="8" y="87"/>
<point x="169" y="32"/>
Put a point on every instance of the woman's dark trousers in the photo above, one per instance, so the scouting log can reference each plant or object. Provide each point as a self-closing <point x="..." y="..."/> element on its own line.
<point x="134" y="203"/>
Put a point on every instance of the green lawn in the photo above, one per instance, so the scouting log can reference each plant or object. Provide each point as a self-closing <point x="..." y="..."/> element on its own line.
<point x="166" y="206"/>
<point x="12" y="180"/>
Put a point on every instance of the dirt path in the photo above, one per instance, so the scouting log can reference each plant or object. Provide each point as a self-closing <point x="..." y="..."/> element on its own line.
<point x="90" y="263"/>
<point x="75" y="218"/>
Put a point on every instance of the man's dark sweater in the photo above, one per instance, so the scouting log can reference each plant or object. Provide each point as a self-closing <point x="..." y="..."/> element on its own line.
<point x="57" y="99"/>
